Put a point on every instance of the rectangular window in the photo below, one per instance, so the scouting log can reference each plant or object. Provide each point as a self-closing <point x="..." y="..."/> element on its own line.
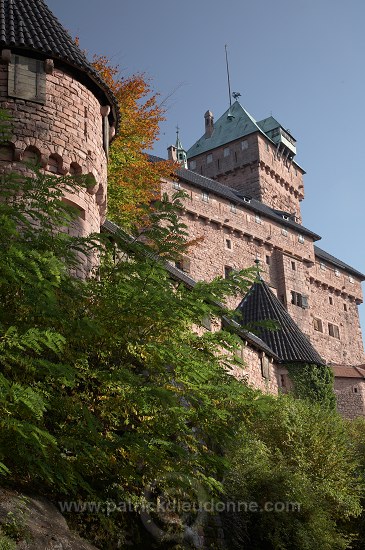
<point x="183" y="264"/>
<point x="265" y="367"/>
<point x="227" y="271"/>
<point x="233" y="208"/>
<point x="330" y="299"/>
<point x="299" y="299"/>
<point x="268" y="260"/>
<point x="337" y="273"/>
<point x="284" y="232"/>
<point x="345" y="307"/>
<point x="205" y="196"/>
<point x="300" y="239"/>
<point x="226" y="152"/>
<point x="229" y="244"/>
<point x="317" y="325"/>
<point x="351" y="279"/>
<point x="27" y="79"/>
<point x="192" y="165"/>
<point x="333" y="331"/>
<point x="322" y="266"/>
<point x="258" y="219"/>
<point x="209" y="159"/>
<point x="293" y="266"/>
<point x="244" y="144"/>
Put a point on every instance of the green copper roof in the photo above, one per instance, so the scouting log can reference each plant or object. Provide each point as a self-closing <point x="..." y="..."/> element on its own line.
<point x="227" y="129"/>
<point x="268" y="124"/>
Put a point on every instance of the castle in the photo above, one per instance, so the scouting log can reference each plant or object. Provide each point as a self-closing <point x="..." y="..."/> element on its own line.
<point x="244" y="191"/>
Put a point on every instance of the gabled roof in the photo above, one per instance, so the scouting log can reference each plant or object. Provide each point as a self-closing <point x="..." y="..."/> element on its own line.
<point x="323" y="255"/>
<point x="288" y="342"/>
<point x="228" y="193"/>
<point x="226" y="129"/>
<point x="29" y="25"/>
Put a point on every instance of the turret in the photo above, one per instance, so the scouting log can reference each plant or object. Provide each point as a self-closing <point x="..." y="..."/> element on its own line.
<point x="177" y="153"/>
<point x="64" y="115"/>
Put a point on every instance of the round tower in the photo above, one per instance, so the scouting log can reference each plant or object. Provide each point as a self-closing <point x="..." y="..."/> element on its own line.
<point x="64" y="115"/>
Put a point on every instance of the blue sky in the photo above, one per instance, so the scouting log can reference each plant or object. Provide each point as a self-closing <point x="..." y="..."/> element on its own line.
<point x="301" y="61"/>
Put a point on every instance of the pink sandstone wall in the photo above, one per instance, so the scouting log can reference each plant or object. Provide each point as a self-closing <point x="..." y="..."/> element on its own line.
<point x="66" y="136"/>
<point x="257" y="172"/>
<point x="235" y="239"/>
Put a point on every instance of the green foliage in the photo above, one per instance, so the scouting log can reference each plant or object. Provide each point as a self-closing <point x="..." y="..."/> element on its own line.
<point x="313" y="382"/>
<point x="298" y="457"/>
<point x="6" y="543"/>
<point x="106" y="386"/>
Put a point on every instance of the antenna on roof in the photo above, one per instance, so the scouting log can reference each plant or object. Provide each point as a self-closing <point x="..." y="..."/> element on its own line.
<point x="229" y="116"/>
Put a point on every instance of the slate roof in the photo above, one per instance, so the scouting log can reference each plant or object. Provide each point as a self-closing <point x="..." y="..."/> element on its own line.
<point x="256" y="206"/>
<point x="323" y="255"/>
<point x="288" y="342"/>
<point x="178" y="275"/>
<point x="30" y="25"/>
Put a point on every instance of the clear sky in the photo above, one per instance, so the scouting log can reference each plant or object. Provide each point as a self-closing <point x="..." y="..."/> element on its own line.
<point x="300" y="60"/>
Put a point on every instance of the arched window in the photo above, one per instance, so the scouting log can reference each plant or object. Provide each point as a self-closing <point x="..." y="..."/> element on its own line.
<point x="6" y="153"/>
<point x="75" y="169"/>
<point x="55" y="164"/>
<point x="32" y="155"/>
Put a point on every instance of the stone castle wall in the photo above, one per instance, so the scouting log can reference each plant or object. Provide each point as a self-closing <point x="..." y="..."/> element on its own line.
<point x="65" y="135"/>
<point x="252" y="167"/>
<point x="234" y="239"/>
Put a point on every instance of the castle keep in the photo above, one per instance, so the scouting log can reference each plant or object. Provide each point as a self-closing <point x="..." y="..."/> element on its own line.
<point x="244" y="190"/>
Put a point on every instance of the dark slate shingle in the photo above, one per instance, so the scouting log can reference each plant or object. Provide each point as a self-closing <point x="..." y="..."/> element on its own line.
<point x="30" y="25"/>
<point x="288" y="342"/>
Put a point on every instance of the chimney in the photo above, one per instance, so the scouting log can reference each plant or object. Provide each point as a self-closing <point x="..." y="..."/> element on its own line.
<point x="172" y="153"/>
<point x="209" y="124"/>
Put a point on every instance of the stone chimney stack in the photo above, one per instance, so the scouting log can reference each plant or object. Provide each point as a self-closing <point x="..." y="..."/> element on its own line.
<point x="209" y="124"/>
<point x="172" y="153"/>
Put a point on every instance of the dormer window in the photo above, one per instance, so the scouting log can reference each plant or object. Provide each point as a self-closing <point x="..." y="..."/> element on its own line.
<point x="27" y="79"/>
<point x="246" y="199"/>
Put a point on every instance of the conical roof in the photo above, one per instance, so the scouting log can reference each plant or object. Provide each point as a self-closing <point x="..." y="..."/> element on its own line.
<point x="29" y="25"/>
<point x="288" y="342"/>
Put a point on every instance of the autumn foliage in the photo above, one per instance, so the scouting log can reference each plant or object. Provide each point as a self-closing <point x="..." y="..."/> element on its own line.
<point x="133" y="180"/>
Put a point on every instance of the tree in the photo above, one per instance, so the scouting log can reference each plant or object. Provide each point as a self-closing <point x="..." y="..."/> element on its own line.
<point x="105" y="386"/>
<point x="313" y="382"/>
<point x="296" y="462"/>
<point x="133" y="181"/>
